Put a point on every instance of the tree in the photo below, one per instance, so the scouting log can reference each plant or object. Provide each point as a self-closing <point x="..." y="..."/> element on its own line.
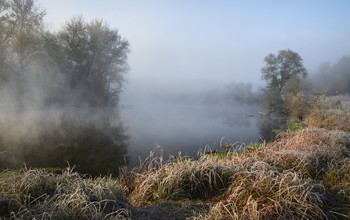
<point x="239" y="92"/>
<point x="4" y="36"/>
<point x="280" y="69"/>
<point x="95" y="60"/>
<point x="21" y="24"/>
<point x="334" y="79"/>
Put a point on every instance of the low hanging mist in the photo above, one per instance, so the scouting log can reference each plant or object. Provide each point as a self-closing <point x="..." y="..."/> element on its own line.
<point x="59" y="92"/>
<point x="334" y="79"/>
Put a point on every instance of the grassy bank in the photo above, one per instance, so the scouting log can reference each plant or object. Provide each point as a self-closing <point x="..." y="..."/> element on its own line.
<point x="303" y="174"/>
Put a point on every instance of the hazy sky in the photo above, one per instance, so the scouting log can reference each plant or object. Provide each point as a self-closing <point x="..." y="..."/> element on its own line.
<point x="183" y="44"/>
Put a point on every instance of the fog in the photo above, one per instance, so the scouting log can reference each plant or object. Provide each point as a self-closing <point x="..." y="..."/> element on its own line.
<point x="59" y="92"/>
<point x="37" y="132"/>
<point x="333" y="79"/>
<point x="188" y="76"/>
<point x="184" y="45"/>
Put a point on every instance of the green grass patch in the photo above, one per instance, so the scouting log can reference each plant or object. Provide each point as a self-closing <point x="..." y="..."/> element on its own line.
<point x="294" y="125"/>
<point x="251" y="148"/>
<point x="221" y="154"/>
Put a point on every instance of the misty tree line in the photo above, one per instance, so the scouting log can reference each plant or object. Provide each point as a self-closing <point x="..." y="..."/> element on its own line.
<point x="335" y="79"/>
<point x="288" y="88"/>
<point x="82" y="64"/>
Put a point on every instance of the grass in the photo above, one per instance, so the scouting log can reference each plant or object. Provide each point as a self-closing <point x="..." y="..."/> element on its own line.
<point x="294" y="125"/>
<point x="302" y="175"/>
<point x="331" y="113"/>
<point x="40" y="194"/>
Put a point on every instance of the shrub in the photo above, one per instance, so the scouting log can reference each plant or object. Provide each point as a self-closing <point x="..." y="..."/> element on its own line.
<point x="296" y="105"/>
<point x="329" y="113"/>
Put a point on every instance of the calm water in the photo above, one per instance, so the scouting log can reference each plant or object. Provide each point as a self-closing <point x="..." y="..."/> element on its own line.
<point x="191" y="127"/>
<point x="98" y="144"/>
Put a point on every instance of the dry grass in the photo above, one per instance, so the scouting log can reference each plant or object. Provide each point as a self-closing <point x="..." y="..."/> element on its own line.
<point x="331" y="113"/>
<point x="302" y="175"/>
<point x="183" y="179"/>
<point x="37" y="194"/>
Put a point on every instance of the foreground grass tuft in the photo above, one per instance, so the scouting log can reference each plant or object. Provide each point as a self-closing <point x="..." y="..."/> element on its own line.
<point x="40" y="194"/>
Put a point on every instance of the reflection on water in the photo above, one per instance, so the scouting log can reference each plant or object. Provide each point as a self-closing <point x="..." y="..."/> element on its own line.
<point x="267" y="125"/>
<point x="95" y="143"/>
<point x="237" y="120"/>
<point x="191" y="127"/>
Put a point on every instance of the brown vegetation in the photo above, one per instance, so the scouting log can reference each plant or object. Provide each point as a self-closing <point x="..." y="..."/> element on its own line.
<point x="289" y="178"/>
<point x="331" y="113"/>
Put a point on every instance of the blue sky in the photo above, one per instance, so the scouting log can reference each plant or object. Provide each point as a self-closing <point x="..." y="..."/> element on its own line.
<point x="184" y="44"/>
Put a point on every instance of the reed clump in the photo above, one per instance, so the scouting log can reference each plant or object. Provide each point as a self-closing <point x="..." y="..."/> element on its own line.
<point x="38" y="194"/>
<point x="182" y="179"/>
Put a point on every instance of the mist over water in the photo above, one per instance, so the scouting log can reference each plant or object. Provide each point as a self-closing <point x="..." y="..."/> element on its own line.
<point x="190" y="123"/>
<point x="90" y="140"/>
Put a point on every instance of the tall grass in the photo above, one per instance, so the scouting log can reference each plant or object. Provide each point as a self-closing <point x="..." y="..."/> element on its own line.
<point x="38" y="194"/>
<point x="302" y="175"/>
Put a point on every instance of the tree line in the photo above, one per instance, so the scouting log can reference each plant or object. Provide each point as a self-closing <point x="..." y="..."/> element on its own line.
<point x="81" y="64"/>
<point x="288" y="89"/>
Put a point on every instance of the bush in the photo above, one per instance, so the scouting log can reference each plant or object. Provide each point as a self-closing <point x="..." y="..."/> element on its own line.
<point x="329" y="113"/>
<point x="294" y="125"/>
<point x="296" y="105"/>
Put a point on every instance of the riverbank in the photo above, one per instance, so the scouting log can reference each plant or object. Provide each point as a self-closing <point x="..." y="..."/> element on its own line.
<point x="303" y="174"/>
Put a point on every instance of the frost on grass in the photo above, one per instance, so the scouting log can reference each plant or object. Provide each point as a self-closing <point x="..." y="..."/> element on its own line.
<point x="302" y="175"/>
<point x="34" y="193"/>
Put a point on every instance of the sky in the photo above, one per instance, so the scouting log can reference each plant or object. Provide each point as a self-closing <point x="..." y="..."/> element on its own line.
<point x="196" y="45"/>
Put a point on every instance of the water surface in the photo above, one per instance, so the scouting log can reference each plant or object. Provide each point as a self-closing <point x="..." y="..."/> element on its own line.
<point x="190" y="127"/>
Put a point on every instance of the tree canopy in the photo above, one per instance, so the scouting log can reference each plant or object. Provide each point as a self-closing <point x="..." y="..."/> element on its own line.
<point x="21" y="24"/>
<point x="84" y="63"/>
<point x="279" y="69"/>
<point x="59" y="90"/>
<point x="285" y="68"/>
<point x="95" y="59"/>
